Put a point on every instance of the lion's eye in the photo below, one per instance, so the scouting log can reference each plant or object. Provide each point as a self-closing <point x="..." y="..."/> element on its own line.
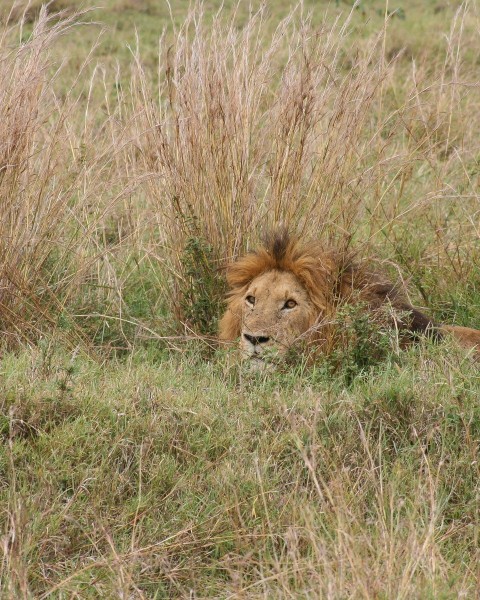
<point x="290" y="304"/>
<point x="250" y="300"/>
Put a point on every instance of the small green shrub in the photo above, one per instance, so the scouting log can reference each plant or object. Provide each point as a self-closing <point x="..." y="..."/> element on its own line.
<point x="362" y="342"/>
<point x="202" y="289"/>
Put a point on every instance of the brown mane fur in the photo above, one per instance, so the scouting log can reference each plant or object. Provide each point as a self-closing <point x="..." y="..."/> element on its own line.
<point x="329" y="279"/>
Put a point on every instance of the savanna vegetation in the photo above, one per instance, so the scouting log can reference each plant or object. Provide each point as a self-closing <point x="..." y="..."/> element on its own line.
<point x="144" y="145"/>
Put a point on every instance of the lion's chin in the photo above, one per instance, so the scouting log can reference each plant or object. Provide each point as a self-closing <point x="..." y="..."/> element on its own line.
<point x="257" y="364"/>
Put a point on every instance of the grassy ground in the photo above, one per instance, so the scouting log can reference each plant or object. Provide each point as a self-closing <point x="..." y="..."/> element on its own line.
<point x="164" y="477"/>
<point x="137" y="462"/>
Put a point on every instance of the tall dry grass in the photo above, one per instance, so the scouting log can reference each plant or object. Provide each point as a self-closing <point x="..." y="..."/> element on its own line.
<point x="243" y="126"/>
<point x="241" y="130"/>
<point x="57" y="161"/>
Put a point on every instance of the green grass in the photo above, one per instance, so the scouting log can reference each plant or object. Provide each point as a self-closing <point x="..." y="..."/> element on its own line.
<point x="118" y="22"/>
<point x="167" y="476"/>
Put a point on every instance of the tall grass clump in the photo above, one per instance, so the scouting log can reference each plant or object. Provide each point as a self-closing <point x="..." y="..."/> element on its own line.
<point x="56" y="164"/>
<point x="35" y="197"/>
<point x="246" y="126"/>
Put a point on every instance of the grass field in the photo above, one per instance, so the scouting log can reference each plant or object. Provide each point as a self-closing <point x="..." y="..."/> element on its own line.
<point x="142" y="147"/>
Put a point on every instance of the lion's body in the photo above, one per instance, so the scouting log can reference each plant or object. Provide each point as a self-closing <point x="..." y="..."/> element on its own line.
<point x="286" y="291"/>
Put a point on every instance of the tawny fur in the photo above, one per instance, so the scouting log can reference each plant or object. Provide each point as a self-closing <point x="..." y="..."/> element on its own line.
<point x="329" y="280"/>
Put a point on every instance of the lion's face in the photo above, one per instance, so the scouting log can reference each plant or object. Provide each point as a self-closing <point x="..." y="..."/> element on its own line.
<point x="276" y="310"/>
<point x="278" y="295"/>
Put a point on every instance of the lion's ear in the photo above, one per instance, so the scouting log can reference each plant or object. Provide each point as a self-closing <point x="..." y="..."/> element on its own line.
<point x="238" y="274"/>
<point x="245" y="269"/>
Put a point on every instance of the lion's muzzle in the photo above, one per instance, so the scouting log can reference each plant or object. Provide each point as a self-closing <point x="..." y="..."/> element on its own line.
<point x="253" y="345"/>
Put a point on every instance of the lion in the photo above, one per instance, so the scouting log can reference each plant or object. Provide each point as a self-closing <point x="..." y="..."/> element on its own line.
<point x="288" y="291"/>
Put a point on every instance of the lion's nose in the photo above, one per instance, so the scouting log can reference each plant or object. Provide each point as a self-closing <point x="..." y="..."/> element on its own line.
<point x="256" y="340"/>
